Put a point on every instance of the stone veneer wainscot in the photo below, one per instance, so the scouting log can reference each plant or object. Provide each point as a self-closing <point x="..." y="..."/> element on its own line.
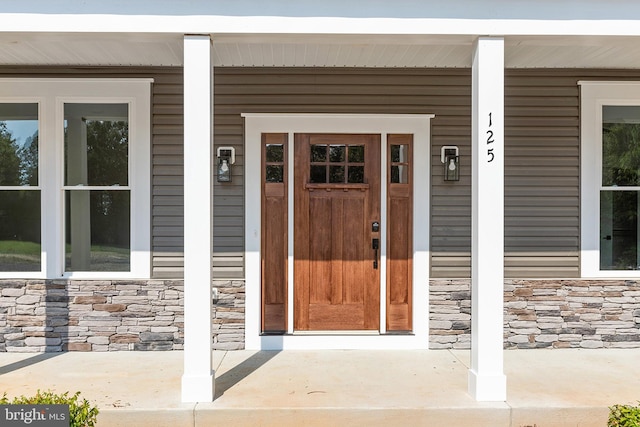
<point x="73" y="315"/>
<point x="543" y="314"/>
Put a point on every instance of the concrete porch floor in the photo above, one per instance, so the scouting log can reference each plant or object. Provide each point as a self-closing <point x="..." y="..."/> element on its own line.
<point x="336" y="388"/>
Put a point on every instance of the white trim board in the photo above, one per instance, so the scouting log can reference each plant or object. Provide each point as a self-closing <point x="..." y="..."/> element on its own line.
<point x="416" y="124"/>
<point x="525" y="17"/>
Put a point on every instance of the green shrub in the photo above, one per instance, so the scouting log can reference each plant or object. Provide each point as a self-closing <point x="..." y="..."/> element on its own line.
<point x="624" y="416"/>
<point x="81" y="413"/>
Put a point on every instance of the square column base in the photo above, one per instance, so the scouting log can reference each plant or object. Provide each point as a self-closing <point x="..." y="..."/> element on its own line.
<point x="198" y="388"/>
<point x="487" y="388"/>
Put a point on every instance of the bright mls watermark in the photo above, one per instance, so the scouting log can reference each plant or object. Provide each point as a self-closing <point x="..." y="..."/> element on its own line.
<point x="34" y="415"/>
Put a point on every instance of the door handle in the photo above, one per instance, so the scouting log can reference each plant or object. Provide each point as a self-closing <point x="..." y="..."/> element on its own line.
<point x="375" y="244"/>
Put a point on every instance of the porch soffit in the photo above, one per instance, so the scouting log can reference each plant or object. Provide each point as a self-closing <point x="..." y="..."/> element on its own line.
<point x="273" y="50"/>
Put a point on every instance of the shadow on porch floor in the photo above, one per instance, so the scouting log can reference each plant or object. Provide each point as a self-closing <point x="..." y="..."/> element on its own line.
<point x="336" y="388"/>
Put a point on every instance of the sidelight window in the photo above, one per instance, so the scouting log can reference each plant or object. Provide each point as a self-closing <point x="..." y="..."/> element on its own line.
<point x="399" y="163"/>
<point x="274" y="163"/>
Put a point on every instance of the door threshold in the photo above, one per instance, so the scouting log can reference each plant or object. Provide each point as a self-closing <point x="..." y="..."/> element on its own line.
<point x="339" y="340"/>
<point x="363" y="332"/>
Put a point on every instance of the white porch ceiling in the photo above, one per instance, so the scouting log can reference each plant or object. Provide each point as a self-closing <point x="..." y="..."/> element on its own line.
<point x="79" y="49"/>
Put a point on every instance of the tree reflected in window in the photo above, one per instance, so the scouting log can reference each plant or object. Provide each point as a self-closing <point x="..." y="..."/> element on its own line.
<point x="20" y="241"/>
<point x="620" y="170"/>
<point x="97" y="220"/>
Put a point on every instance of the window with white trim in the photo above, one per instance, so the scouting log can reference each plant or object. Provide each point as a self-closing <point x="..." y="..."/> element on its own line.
<point x="20" y="231"/>
<point x="610" y="225"/>
<point x="74" y="178"/>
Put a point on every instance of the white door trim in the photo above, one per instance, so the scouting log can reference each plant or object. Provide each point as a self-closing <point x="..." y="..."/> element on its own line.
<point x="383" y="124"/>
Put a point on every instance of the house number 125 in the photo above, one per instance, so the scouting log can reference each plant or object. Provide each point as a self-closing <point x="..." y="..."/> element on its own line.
<point x="490" y="141"/>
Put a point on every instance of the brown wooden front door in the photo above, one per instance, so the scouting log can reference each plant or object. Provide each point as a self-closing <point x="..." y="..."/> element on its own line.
<point x="337" y="201"/>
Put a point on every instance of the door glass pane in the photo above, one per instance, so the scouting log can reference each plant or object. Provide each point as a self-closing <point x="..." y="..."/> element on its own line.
<point x="20" y="248"/>
<point x="96" y="144"/>
<point x="274" y="153"/>
<point x="318" y="174"/>
<point x="337" y="164"/>
<point x="336" y="153"/>
<point x="275" y="173"/>
<point x="399" y="174"/>
<point x="619" y="230"/>
<point x="336" y="174"/>
<point x="97" y="231"/>
<point x="399" y="164"/>
<point x="621" y="146"/>
<point x="318" y="153"/>
<point x="356" y="174"/>
<point x="18" y="144"/>
<point x="399" y="153"/>
<point x="356" y="154"/>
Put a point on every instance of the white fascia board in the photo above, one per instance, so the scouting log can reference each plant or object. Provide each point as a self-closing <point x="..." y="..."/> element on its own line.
<point x="559" y="10"/>
<point x="217" y="24"/>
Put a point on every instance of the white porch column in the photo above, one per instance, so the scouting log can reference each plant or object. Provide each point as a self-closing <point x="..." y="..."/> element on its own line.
<point x="487" y="381"/>
<point x="198" y="377"/>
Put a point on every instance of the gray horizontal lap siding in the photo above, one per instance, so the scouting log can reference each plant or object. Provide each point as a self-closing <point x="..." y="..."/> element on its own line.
<point x="542" y="176"/>
<point x="541" y="154"/>
<point x="445" y="93"/>
<point x="168" y="173"/>
<point x="541" y="184"/>
<point x="541" y="148"/>
<point x="542" y="179"/>
<point x="541" y="127"/>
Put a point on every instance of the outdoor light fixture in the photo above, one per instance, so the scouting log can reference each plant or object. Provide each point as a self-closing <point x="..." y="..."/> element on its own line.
<point x="226" y="157"/>
<point x="451" y="160"/>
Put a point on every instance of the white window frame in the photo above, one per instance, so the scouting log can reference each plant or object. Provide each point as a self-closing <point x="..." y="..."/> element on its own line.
<point x="39" y="273"/>
<point x="595" y="95"/>
<point x="52" y="94"/>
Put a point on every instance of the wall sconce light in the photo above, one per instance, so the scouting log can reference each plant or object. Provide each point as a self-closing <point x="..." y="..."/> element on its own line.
<point x="451" y="160"/>
<point x="226" y="157"/>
